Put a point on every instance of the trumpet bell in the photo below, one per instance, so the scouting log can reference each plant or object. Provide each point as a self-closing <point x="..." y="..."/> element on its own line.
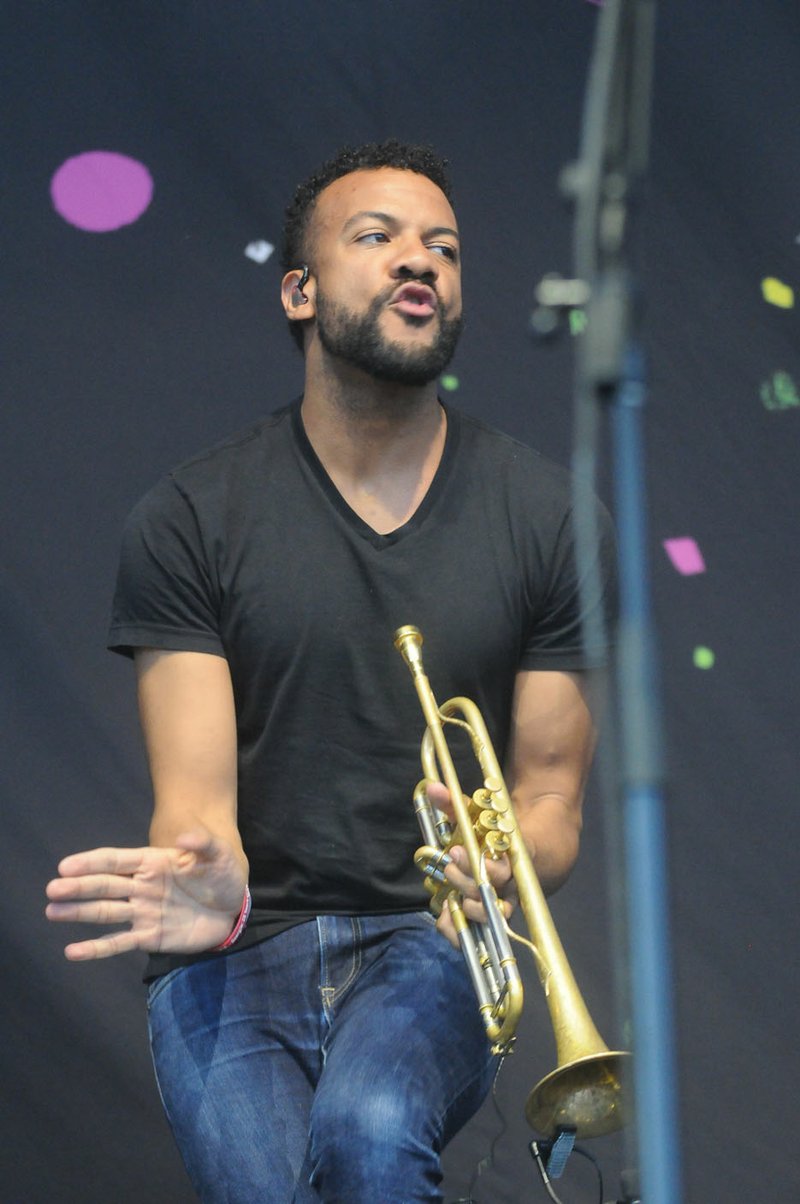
<point x="589" y="1093"/>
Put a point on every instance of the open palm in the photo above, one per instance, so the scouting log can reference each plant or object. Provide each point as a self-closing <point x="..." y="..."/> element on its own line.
<point x="173" y="900"/>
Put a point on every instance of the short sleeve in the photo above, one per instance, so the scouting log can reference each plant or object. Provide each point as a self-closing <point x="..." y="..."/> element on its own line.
<point x="166" y="593"/>
<point x="573" y="610"/>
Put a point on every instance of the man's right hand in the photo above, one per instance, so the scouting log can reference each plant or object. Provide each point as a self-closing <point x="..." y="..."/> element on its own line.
<point x="183" y="899"/>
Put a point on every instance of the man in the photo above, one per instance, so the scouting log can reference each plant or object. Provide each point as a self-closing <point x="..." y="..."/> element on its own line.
<point x="328" y="1047"/>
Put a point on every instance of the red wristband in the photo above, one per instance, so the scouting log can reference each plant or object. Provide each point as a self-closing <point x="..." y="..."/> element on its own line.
<point x="240" y="924"/>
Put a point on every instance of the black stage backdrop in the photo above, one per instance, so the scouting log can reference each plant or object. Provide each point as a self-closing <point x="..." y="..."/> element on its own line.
<point x="129" y="348"/>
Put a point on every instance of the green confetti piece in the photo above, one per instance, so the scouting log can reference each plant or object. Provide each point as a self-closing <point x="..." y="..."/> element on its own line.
<point x="780" y="392"/>
<point x="577" y="321"/>
<point x="703" y="658"/>
<point x="450" y="383"/>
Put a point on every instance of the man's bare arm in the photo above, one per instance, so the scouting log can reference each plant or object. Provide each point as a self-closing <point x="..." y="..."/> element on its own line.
<point x="189" y="724"/>
<point x="549" y="756"/>
<point x="550" y="751"/>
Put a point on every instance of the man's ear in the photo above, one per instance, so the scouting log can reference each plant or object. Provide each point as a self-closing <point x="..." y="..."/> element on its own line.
<point x="297" y="295"/>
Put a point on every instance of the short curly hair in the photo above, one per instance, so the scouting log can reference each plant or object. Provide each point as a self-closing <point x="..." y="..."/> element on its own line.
<point x="401" y="155"/>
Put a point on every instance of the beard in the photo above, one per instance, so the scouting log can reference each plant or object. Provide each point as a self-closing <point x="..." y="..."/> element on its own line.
<point x="357" y="339"/>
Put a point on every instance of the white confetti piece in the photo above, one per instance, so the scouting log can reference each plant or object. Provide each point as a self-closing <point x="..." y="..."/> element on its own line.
<point x="259" y="251"/>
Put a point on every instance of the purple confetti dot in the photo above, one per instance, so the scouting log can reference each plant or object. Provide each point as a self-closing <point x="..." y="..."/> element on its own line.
<point x="685" y="555"/>
<point x="101" y="190"/>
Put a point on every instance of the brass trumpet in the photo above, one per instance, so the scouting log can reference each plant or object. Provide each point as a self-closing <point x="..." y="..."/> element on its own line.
<point x="585" y="1090"/>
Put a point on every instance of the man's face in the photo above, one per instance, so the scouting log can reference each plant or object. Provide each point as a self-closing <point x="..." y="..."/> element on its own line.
<point x="384" y="251"/>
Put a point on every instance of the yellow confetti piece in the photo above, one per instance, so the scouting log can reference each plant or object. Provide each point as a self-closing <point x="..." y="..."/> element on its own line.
<point x="775" y="292"/>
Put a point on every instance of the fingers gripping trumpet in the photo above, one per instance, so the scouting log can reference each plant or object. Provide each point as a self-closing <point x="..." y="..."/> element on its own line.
<point x="586" y="1089"/>
<point x="485" y="946"/>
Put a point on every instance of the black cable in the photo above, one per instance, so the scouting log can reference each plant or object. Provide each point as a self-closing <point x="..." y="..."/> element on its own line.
<point x="539" y="1160"/>
<point x="536" y="1148"/>
<point x="487" y="1162"/>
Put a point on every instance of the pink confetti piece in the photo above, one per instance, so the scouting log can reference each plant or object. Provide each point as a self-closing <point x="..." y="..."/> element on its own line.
<point x="685" y="555"/>
<point x="101" y="190"/>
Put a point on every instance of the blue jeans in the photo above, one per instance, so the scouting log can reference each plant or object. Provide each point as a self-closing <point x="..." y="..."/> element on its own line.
<point x="329" y="1064"/>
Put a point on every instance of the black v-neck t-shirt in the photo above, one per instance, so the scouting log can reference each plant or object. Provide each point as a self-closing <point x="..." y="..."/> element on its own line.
<point x="249" y="552"/>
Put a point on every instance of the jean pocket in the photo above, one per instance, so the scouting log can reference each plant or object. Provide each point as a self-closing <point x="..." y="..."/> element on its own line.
<point x="160" y="984"/>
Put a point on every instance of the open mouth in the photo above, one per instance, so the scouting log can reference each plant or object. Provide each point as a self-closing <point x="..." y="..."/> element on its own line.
<point x="416" y="300"/>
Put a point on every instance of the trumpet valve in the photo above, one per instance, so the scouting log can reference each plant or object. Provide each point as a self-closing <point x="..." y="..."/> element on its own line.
<point x="497" y="843"/>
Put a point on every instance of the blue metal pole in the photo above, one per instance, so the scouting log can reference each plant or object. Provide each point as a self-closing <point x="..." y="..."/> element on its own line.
<point x="643" y="813"/>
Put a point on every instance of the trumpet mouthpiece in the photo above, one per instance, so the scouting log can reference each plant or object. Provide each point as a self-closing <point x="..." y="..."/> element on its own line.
<point x="408" y="642"/>
<point x="407" y="633"/>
